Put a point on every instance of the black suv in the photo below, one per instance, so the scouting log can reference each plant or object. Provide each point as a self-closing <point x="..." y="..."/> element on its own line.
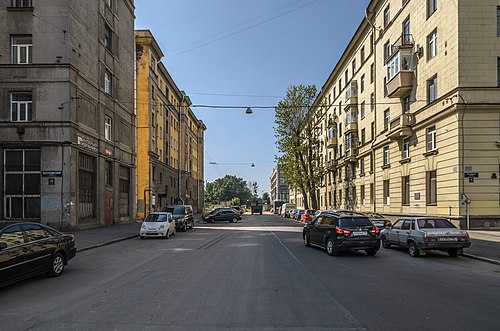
<point x="183" y="216"/>
<point x="341" y="230"/>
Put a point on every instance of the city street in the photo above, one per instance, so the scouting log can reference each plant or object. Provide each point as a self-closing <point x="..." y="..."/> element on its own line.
<point x="253" y="275"/>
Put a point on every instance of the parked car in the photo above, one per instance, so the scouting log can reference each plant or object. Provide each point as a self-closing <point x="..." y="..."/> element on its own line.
<point x="158" y="224"/>
<point x="307" y="215"/>
<point x="28" y="249"/>
<point x="378" y="220"/>
<point x="297" y="214"/>
<point x="426" y="233"/>
<point x="183" y="216"/>
<point x="338" y="231"/>
<point x="223" y="214"/>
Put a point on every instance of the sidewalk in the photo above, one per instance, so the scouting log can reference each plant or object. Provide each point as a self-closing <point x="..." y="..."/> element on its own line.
<point x="485" y="244"/>
<point x="97" y="237"/>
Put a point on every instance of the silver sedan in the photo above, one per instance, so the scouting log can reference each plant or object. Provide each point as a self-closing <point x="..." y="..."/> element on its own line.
<point x="420" y="234"/>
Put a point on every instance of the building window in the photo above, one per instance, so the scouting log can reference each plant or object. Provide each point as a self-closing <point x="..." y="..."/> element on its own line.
<point x="406" y="104"/>
<point x="353" y="67"/>
<point x="372" y="163"/>
<point x="362" y="83"/>
<point x="346" y="76"/>
<point x="340" y="130"/>
<point x="387" y="193"/>
<point x="387" y="160"/>
<point x="431" y="139"/>
<point x="362" y="54"/>
<point x="432" y="45"/>
<point x="372" y="129"/>
<point x="498" y="21"/>
<point x="108" y="35"/>
<point x="22" y="184"/>
<point x="372" y="102"/>
<point x="22" y="3"/>
<point x="372" y="193"/>
<point x="108" y="128"/>
<point x="108" y="3"/>
<point x="431" y="7"/>
<point x="406" y="149"/>
<point x="387" y="119"/>
<point x="86" y="186"/>
<point x="372" y="73"/>
<point x="340" y="86"/>
<point x="432" y="89"/>
<point x="363" y="136"/>
<point x="124" y="203"/>
<point x="21" y="107"/>
<point x="431" y="187"/>
<point x="362" y="110"/>
<point x="108" y="173"/>
<point x="387" y="50"/>
<point x="362" y="166"/>
<point x="406" y="31"/>
<point x="108" y="87"/>
<point x="498" y="71"/>
<point x="405" y="180"/>
<point x="22" y="47"/>
<point x="387" y="16"/>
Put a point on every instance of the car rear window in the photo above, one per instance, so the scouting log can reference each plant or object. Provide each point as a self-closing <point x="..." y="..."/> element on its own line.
<point x="437" y="223"/>
<point x="174" y="210"/>
<point x="353" y="222"/>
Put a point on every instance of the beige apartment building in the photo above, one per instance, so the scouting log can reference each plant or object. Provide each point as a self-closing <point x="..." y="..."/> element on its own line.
<point x="170" y="138"/>
<point x="412" y="113"/>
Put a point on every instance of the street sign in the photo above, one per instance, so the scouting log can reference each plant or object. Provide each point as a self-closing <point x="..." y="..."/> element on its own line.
<point x="471" y="175"/>
<point x="52" y="173"/>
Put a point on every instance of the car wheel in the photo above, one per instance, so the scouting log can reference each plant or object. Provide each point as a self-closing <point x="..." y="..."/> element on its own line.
<point x="330" y="247"/>
<point x="56" y="267"/>
<point x="371" y="252"/>
<point x="307" y="242"/>
<point x="453" y="252"/>
<point x="234" y="220"/>
<point x="385" y="243"/>
<point x="413" y="249"/>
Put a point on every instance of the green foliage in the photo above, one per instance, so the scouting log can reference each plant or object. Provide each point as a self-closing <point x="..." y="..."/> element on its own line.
<point x="227" y="188"/>
<point x="266" y="198"/>
<point x="235" y="201"/>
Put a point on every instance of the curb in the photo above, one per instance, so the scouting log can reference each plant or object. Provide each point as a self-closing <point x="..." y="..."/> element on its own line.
<point x="480" y="258"/>
<point x="106" y="243"/>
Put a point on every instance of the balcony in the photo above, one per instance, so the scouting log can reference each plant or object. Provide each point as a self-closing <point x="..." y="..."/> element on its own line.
<point x="401" y="85"/>
<point x="401" y="127"/>
<point x="350" y="154"/>
<point x="400" y="73"/>
<point x="351" y="94"/>
<point x="351" y="120"/>
<point x="331" y="142"/>
<point x="331" y="164"/>
<point x="351" y="127"/>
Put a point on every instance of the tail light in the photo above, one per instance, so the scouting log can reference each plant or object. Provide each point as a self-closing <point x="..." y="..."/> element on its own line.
<point x="463" y="238"/>
<point x="374" y="231"/>
<point x="430" y="239"/>
<point x="342" y="231"/>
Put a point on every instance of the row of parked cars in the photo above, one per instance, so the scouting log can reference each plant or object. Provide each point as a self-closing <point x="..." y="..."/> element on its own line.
<point x="342" y="230"/>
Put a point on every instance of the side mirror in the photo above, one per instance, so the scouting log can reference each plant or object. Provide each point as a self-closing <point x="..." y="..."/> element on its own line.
<point x="3" y="245"/>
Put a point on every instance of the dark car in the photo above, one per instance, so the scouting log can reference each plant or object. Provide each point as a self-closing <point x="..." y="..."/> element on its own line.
<point x="378" y="220"/>
<point x="222" y="214"/>
<point x="338" y="231"/>
<point x="28" y="249"/>
<point x="183" y="216"/>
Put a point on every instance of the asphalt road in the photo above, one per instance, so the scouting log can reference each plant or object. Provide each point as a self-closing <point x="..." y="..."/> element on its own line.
<point x="254" y="275"/>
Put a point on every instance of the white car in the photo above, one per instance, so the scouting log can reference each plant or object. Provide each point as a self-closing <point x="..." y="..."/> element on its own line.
<point x="158" y="224"/>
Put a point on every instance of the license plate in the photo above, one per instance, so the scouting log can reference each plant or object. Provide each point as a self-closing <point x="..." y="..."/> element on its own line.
<point x="359" y="233"/>
<point x="150" y="232"/>
<point x="448" y="239"/>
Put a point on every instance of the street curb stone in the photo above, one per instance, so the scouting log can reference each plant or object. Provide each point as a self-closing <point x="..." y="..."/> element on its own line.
<point x="106" y="243"/>
<point x="480" y="258"/>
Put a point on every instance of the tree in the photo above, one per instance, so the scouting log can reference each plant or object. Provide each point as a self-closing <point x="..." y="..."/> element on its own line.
<point x="266" y="198"/>
<point x="227" y="188"/>
<point x="297" y="139"/>
<point x="235" y="201"/>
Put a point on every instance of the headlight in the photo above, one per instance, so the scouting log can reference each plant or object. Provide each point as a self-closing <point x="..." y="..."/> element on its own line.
<point x="162" y="226"/>
<point x="143" y="226"/>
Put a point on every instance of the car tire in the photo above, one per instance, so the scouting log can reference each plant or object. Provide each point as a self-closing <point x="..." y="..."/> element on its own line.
<point x="56" y="266"/>
<point x="453" y="252"/>
<point x="235" y="220"/>
<point x="385" y="243"/>
<point x="330" y="247"/>
<point x="307" y="241"/>
<point x="371" y="252"/>
<point x="413" y="249"/>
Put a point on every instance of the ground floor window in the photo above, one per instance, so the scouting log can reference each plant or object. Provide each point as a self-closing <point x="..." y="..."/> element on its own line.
<point x="406" y="190"/>
<point x="86" y="186"/>
<point x="22" y="184"/>
<point x="431" y="187"/>
<point x="124" y="206"/>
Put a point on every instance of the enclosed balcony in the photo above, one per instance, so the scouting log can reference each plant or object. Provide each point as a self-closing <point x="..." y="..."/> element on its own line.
<point x="399" y="78"/>
<point x="351" y="94"/>
<point x="351" y="153"/>
<point x="331" y="164"/>
<point x="351" y="147"/>
<point x="331" y="139"/>
<point x="351" y="120"/>
<point x="401" y="127"/>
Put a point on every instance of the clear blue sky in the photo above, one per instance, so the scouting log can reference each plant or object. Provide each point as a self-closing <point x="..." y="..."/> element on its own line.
<point x="247" y="53"/>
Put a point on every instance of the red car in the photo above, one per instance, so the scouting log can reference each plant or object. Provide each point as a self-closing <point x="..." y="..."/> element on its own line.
<point x="307" y="215"/>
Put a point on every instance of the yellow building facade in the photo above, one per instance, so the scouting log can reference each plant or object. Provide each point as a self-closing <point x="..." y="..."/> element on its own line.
<point x="170" y="138"/>
<point x="412" y="113"/>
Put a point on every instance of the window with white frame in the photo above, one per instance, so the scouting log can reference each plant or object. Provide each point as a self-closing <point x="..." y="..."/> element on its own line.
<point x="387" y="119"/>
<point x="432" y="89"/>
<point x="431" y="7"/>
<point x="21" y="107"/>
<point x="21" y="3"/>
<point x="22" y="46"/>
<point x="387" y="16"/>
<point x="432" y="45"/>
<point x="386" y="156"/>
<point x="431" y="139"/>
<point x="108" y="86"/>
<point x="405" y="149"/>
<point x="108" y="128"/>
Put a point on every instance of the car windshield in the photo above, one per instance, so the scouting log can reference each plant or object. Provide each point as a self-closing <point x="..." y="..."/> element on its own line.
<point x="435" y="223"/>
<point x="376" y="216"/>
<point x="156" y="218"/>
<point x="175" y="210"/>
<point x="353" y="222"/>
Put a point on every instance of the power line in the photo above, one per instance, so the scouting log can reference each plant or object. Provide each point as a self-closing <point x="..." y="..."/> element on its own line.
<point x="236" y="95"/>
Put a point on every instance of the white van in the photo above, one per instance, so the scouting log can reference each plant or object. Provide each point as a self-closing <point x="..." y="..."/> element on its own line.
<point x="286" y="208"/>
